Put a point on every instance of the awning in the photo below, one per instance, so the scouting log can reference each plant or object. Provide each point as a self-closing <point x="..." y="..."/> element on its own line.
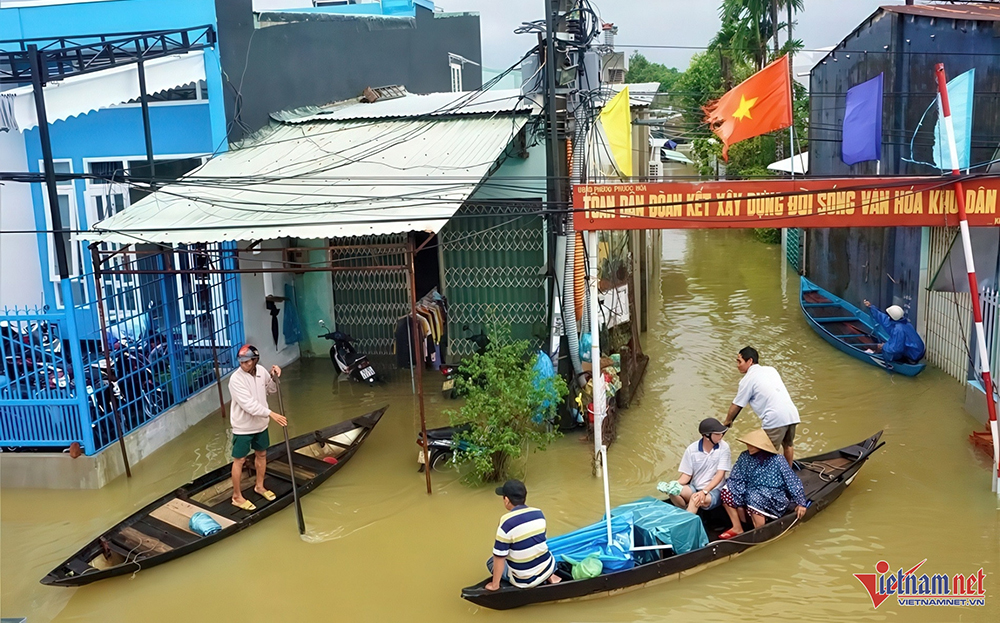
<point x="952" y="275"/>
<point x="785" y="166"/>
<point x="324" y="180"/>
<point x="82" y="94"/>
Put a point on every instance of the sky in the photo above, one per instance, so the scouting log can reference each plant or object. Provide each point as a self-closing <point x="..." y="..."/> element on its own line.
<point x="655" y="22"/>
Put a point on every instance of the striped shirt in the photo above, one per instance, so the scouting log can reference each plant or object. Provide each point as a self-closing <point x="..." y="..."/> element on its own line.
<point x="521" y="539"/>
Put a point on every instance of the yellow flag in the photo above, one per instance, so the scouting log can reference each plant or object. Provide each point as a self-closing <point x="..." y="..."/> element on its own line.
<point x="617" y="122"/>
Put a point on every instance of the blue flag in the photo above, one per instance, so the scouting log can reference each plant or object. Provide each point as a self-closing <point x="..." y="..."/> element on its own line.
<point x="862" y="137"/>
<point x="960" y="99"/>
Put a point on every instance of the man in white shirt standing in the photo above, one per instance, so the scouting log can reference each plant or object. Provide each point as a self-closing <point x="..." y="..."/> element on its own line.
<point x="763" y="389"/>
<point x="703" y="468"/>
<point x="248" y="415"/>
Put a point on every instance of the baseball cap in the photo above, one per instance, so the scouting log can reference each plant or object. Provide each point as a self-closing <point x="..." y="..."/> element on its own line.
<point x="513" y="489"/>
<point x="711" y="425"/>
<point x="248" y="352"/>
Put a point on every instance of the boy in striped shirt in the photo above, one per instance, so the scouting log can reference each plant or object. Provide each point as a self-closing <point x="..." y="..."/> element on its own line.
<point x="520" y="555"/>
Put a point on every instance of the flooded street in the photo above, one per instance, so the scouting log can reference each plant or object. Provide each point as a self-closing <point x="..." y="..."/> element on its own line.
<point x="379" y="549"/>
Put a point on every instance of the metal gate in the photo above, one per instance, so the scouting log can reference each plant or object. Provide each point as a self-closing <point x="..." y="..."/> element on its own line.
<point x="494" y="260"/>
<point x="949" y="314"/>
<point x="794" y="239"/>
<point x="368" y="302"/>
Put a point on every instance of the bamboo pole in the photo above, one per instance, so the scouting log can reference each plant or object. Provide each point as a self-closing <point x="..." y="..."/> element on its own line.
<point x="418" y="364"/>
<point x="119" y="425"/>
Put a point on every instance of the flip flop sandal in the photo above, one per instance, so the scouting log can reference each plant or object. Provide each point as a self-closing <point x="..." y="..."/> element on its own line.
<point x="247" y="505"/>
<point x="267" y="495"/>
<point x="729" y="534"/>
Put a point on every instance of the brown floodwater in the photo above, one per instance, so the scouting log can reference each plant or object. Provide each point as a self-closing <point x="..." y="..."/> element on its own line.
<point x="379" y="549"/>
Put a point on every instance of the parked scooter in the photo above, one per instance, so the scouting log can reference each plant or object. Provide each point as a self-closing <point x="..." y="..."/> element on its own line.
<point x="440" y="446"/>
<point x="451" y="372"/>
<point x="347" y="359"/>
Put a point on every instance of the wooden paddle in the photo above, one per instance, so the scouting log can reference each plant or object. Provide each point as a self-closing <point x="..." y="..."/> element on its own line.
<point x="291" y="465"/>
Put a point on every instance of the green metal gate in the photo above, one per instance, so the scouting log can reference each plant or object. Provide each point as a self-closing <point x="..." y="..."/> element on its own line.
<point x="368" y="301"/>
<point x="494" y="272"/>
<point x="793" y="247"/>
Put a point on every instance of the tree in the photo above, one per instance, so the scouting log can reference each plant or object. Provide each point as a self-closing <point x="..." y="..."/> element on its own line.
<point x="753" y="24"/>
<point x="506" y="406"/>
<point x="640" y="69"/>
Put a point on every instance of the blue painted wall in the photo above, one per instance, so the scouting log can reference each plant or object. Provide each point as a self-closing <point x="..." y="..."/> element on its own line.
<point x="116" y="133"/>
<point x="389" y="8"/>
<point x="118" y="16"/>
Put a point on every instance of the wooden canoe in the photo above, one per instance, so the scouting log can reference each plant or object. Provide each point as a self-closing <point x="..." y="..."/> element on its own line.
<point x="160" y="531"/>
<point x="824" y="477"/>
<point x="848" y="328"/>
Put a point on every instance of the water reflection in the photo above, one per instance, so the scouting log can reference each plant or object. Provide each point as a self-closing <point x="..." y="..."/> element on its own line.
<point x="378" y="548"/>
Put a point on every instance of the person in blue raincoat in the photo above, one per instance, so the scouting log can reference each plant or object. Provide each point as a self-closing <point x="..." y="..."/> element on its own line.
<point x="904" y="345"/>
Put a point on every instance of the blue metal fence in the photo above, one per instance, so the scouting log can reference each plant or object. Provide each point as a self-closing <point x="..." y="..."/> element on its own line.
<point x="43" y="393"/>
<point x="165" y="328"/>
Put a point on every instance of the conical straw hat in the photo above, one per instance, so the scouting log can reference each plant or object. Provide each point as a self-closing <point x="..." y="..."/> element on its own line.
<point x="758" y="439"/>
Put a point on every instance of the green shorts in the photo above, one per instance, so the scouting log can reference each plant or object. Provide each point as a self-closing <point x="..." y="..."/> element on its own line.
<point x="242" y="444"/>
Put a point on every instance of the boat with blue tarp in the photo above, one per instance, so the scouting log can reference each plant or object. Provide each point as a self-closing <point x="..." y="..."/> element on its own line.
<point x="652" y="541"/>
<point x="848" y="328"/>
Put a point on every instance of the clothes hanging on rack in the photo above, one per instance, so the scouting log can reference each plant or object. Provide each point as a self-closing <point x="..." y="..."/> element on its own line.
<point x="432" y="324"/>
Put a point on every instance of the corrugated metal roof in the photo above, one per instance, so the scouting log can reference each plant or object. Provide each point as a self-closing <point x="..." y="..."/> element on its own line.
<point x="433" y="104"/>
<point x="639" y="93"/>
<point x="972" y="11"/>
<point x="323" y="180"/>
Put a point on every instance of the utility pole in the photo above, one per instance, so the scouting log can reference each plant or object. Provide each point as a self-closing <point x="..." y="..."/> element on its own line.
<point x="59" y="233"/>
<point x="556" y="155"/>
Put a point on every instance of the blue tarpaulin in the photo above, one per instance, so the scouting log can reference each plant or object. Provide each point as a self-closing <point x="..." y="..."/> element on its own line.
<point x="657" y="522"/>
<point x="647" y="521"/>
<point x="593" y="540"/>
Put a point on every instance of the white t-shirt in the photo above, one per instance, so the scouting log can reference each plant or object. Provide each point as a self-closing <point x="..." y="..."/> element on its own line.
<point x="702" y="466"/>
<point x="762" y="388"/>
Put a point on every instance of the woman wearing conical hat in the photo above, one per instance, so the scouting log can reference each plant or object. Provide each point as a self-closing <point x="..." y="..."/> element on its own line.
<point x="761" y="484"/>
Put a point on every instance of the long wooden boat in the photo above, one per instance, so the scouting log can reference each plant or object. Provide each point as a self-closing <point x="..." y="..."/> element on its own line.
<point x="848" y="328"/>
<point x="824" y="477"/>
<point x="160" y="531"/>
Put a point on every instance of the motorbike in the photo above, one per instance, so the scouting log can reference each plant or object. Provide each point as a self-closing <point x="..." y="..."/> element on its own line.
<point x="347" y="359"/>
<point x="33" y="363"/>
<point x="452" y="371"/>
<point x="441" y="446"/>
<point x="134" y="384"/>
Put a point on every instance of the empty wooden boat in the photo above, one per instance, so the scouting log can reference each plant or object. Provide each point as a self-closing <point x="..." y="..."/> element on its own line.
<point x="161" y="530"/>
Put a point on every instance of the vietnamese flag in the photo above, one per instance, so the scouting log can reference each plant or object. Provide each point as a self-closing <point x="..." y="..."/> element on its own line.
<point x="760" y="104"/>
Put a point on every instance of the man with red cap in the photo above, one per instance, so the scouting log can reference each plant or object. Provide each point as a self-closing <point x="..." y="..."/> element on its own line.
<point x="249" y="415"/>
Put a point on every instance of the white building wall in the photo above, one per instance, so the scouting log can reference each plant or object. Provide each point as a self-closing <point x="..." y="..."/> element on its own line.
<point x="256" y="317"/>
<point x="20" y="270"/>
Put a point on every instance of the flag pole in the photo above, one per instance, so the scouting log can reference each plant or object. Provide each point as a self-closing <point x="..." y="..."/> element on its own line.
<point x="977" y="311"/>
<point x="596" y="375"/>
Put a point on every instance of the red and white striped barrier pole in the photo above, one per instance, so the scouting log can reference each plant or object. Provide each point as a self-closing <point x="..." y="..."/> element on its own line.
<point x="977" y="311"/>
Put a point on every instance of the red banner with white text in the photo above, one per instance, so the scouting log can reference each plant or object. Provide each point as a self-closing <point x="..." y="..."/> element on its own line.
<point x="806" y="202"/>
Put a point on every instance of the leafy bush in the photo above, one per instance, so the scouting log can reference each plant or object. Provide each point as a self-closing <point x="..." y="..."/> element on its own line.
<point x="507" y="410"/>
<point x="767" y="235"/>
